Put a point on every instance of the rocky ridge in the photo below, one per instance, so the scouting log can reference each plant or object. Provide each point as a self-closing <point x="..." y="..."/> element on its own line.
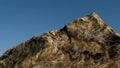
<point x="83" y="43"/>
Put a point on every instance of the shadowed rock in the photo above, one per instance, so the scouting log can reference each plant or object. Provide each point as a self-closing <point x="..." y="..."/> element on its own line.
<point x="83" y="43"/>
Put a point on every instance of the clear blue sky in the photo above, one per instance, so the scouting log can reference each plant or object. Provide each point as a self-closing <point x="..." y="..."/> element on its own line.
<point x="22" y="19"/>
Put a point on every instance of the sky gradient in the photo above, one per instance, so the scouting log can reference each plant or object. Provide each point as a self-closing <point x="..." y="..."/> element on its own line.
<point x="22" y="19"/>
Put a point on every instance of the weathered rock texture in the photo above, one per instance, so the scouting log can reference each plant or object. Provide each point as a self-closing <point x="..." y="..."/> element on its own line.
<point x="84" y="43"/>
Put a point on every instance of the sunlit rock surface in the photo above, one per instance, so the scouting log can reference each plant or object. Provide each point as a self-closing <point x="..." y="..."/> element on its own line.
<point x="83" y="43"/>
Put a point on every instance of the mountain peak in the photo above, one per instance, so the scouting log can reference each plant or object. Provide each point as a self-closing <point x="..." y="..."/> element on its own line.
<point x="83" y="43"/>
<point x="94" y="14"/>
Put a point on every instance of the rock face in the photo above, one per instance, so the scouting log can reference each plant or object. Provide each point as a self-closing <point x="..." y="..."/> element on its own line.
<point x="83" y="43"/>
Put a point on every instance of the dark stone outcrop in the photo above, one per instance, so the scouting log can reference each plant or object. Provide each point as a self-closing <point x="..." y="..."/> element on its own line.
<point x="84" y="43"/>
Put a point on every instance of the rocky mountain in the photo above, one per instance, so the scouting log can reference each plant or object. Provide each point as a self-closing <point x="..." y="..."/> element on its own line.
<point x="83" y="43"/>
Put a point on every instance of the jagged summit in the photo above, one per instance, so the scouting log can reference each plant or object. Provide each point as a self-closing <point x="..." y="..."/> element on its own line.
<point x="83" y="43"/>
<point x="94" y="14"/>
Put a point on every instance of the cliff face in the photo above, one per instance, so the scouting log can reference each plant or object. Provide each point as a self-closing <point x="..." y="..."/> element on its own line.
<point x="83" y="43"/>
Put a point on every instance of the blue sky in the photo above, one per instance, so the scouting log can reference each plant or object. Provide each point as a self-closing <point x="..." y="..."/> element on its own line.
<point x="22" y="19"/>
